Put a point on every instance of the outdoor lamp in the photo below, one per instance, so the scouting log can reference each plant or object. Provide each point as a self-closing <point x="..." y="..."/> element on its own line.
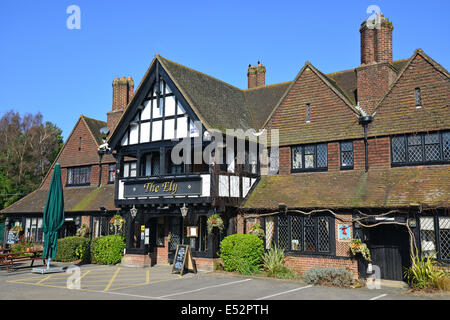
<point x="133" y="212"/>
<point x="184" y="210"/>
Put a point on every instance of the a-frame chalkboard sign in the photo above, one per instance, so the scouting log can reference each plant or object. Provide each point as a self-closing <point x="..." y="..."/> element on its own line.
<point x="183" y="260"/>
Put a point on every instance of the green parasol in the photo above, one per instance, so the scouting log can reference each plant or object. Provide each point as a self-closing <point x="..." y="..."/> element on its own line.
<point x="53" y="215"/>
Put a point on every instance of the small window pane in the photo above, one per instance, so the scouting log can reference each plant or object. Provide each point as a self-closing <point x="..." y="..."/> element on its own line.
<point x="283" y="232"/>
<point x="444" y="237"/>
<point x="398" y="149"/>
<point x="432" y="147"/>
<point x="297" y="158"/>
<point x="347" y="154"/>
<point x="446" y="145"/>
<point x="427" y="236"/>
<point x="415" y="148"/>
<point x="323" y="234"/>
<point x="309" y="234"/>
<point x="297" y="237"/>
<point x="322" y="155"/>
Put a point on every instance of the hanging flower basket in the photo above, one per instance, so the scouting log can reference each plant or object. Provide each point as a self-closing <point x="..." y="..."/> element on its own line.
<point x="116" y="224"/>
<point x="214" y="221"/>
<point x="356" y="246"/>
<point x="83" y="231"/>
<point x="258" y="231"/>
<point x="16" y="229"/>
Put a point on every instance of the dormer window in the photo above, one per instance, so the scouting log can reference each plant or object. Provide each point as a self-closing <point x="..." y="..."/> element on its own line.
<point x="418" y="98"/>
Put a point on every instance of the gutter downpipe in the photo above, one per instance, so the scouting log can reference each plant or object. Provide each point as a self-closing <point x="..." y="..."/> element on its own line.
<point x="364" y="121"/>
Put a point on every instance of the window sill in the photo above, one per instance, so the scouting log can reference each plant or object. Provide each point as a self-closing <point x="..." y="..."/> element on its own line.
<point x="309" y="170"/>
<point x="78" y="185"/>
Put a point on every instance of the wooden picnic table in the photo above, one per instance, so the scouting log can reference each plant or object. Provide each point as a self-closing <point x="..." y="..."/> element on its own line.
<point x="10" y="258"/>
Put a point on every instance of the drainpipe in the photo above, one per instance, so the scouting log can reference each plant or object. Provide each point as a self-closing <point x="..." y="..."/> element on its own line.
<point x="100" y="156"/>
<point x="364" y="121"/>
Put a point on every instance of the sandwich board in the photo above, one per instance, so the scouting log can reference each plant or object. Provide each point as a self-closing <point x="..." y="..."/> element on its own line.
<point x="183" y="260"/>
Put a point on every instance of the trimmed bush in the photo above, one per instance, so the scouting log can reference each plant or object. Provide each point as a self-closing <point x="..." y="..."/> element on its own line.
<point x="241" y="252"/>
<point x="338" y="277"/>
<point x="72" y="248"/>
<point x="108" y="250"/>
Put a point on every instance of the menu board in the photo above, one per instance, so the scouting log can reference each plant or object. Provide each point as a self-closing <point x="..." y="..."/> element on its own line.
<point x="182" y="256"/>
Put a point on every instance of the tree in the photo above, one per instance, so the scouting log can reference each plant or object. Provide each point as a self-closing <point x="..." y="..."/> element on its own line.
<point x="28" y="147"/>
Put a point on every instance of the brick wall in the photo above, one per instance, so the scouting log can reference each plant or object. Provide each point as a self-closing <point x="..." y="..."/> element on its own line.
<point x="398" y="113"/>
<point x="73" y="156"/>
<point x="331" y="118"/>
<point x="372" y="82"/>
<point x="302" y="263"/>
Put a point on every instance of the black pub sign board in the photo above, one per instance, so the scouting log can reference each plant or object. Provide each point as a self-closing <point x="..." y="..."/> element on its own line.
<point x="163" y="187"/>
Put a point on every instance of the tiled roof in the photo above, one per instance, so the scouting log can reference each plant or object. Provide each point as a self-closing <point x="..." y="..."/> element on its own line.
<point x="378" y="188"/>
<point x="262" y="100"/>
<point x="95" y="126"/>
<point x="76" y="199"/>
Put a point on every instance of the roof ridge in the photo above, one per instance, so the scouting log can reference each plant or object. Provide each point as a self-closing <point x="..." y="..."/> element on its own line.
<point x="199" y="72"/>
<point x="417" y="52"/>
<point x="266" y="86"/>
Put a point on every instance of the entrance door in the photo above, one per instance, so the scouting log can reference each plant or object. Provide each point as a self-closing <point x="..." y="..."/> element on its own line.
<point x="389" y="249"/>
<point x="176" y="236"/>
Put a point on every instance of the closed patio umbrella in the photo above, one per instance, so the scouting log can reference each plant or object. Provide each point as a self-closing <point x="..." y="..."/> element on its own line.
<point x="53" y="216"/>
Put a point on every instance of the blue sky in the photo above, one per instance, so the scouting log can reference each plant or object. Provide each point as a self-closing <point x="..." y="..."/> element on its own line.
<point x="64" y="73"/>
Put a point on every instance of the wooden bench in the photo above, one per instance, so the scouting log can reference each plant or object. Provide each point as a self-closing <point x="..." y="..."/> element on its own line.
<point x="9" y="259"/>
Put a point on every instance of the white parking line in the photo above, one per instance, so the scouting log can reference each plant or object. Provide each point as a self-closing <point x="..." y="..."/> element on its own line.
<point x="378" y="297"/>
<point x="284" y="292"/>
<point x="204" y="288"/>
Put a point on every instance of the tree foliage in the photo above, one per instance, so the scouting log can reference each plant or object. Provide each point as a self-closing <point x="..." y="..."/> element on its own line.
<point x="28" y="147"/>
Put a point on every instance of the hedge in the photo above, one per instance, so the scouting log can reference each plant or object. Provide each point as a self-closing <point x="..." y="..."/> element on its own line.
<point x="108" y="249"/>
<point x="72" y="248"/>
<point x="241" y="252"/>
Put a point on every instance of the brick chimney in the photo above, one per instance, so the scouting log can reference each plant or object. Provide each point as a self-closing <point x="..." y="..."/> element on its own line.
<point x="376" y="72"/>
<point x="256" y="76"/>
<point x="376" y="41"/>
<point x="123" y="90"/>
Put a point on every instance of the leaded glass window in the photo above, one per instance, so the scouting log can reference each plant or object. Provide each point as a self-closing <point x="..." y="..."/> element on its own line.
<point x="283" y="232"/>
<point x="297" y="158"/>
<point x="418" y="97"/>
<point x="446" y="145"/>
<point x="427" y="236"/>
<point x="444" y="238"/>
<point x="79" y="176"/>
<point x="398" y="149"/>
<point x="303" y="233"/>
<point x="421" y="148"/>
<point x="309" y="157"/>
<point x="347" y="155"/>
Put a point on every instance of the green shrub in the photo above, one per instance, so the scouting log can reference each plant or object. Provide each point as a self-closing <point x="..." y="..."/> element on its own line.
<point x="338" y="277"/>
<point x="241" y="252"/>
<point x="423" y="273"/>
<point x="108" y="250"/>
<point x="273" y="259"/>
<point x="73" y="248"/>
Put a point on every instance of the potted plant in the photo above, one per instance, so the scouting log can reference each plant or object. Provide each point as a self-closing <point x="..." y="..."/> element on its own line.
<point x="358" y="247"/>
<point x="214" y="221"/>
